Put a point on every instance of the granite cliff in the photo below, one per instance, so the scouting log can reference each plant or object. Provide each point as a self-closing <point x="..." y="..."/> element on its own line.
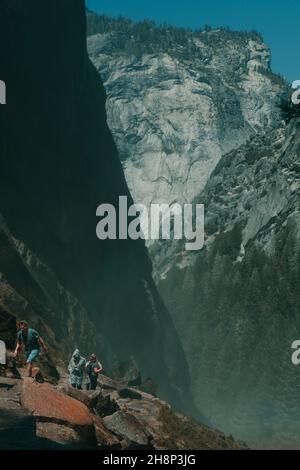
<point x="178" y="100"/>
<point x="58" y="162"/>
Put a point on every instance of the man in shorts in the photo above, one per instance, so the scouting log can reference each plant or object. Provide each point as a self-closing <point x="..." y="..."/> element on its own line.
<point x="32" y="342"/>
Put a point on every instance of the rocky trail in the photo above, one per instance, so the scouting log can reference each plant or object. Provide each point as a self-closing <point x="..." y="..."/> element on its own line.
<point x="38" y="414"/>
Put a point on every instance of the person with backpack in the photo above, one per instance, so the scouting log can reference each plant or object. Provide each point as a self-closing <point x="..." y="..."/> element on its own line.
<point x="32" y="341"/>
<point x="93" y="369"/>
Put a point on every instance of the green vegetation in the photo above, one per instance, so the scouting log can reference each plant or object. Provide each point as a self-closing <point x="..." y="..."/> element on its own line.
<point x="237" y="321"/>
<point x="275" y="78"/>
<point x="146" y="36"/>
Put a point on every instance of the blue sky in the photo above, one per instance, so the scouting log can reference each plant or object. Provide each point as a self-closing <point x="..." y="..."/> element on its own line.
<point x="277" y="20"/>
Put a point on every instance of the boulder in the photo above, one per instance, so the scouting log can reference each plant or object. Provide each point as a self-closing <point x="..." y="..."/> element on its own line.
<point x="48" y="402"/>
<point x="62" y="434"/>
<point x="127" y="372"/>
<point x="17" y="425"/>
<point x="105" y="405"/>
<point x="9" y="393"/>
<point x="105" y="439"/>
<point x="50" y="405"/>
<point x="130" y="393"/>
<point x="149" y="386"/>
<point x="88" y="398"/>
<point x="48" y="369"/>
<point x="106" y="383"/>
<point x="127" y="427"/>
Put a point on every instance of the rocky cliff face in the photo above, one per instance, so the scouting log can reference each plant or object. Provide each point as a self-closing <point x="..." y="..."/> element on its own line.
<point x="58" y="162"/>
<point x="29" y="289"/>
<point x="236" y="303"/>
<point x="196" y="118"/>
<point x="178" y="101"/>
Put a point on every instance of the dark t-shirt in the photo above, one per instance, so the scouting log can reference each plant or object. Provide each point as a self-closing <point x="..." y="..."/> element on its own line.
<point x="30" y="340"/>
<point x="90" y="368"/>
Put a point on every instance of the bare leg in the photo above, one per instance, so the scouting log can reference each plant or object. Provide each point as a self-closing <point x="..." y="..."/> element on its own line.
<point x="29" y="369"/>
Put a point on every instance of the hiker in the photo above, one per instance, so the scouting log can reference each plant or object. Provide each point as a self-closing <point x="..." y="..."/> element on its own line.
<point x="93" y="369"/>
<point x="33" y="343"/>
<point x="77" y="369"/>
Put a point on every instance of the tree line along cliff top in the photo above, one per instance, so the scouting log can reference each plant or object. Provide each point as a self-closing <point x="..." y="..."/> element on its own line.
<point x="148" y="37"/>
